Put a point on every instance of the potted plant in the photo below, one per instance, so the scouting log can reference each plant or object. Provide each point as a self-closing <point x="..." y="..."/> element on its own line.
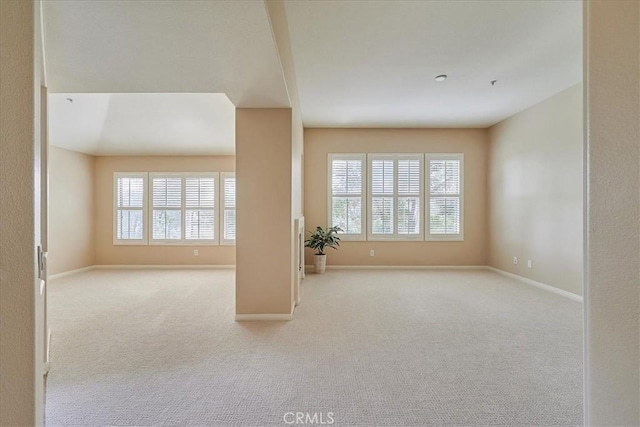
<point x="318" y="241"/>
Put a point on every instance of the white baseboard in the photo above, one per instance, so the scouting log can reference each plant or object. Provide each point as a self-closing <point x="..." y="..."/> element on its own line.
<point x="164" y="267"/>
<point x="538" y="285"/>
<point x="142" y="267"/>
<point x="47" y="362"/>
<point x="399" y="267"/>
<point x="531" y="282"/>
<point x="251" y="317"/>
<point x="70" y="272"/>
<point x="267" y="316"/>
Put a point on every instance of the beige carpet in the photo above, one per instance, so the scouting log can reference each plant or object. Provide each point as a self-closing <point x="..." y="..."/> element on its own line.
<point x="373" y="348"/>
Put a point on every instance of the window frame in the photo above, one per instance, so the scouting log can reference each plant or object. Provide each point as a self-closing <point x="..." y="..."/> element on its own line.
<point x="116" y="208"/>
<point x="459" y="237"/>
<point x="425" y="197"/>
<point x="395" y="236"/>
<point x="352" y="237"/>
<point x="223" y="208"/>
<point x="183" y="241"/>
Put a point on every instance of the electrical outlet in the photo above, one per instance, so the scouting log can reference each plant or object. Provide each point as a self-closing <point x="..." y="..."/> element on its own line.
<point x="530" y="264"/>
<point x="515" y="259"/>
<point x="372" y="252"/>
<point x="195" y="252"/>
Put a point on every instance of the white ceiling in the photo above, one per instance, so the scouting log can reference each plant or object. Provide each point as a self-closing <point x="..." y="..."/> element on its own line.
<point x="143" y="123"/>
<point x="147" y="77"/>
<point x="372" y="64"/>
<point x="164" y="46"/>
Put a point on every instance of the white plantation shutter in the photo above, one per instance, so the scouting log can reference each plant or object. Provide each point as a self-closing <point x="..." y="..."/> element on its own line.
<point x="445" y="172"/>
<point x="166" y="203"/>
<point x="396" y="196"/>
<point x="130" y="204"/>
<point x="199" y="217"/>
<point x="409" y="196"/>
<point x="346" y="204"/>
<point x="183" y="208"/>
<point x="228" y="207"/>
<point x="382" y="200"/>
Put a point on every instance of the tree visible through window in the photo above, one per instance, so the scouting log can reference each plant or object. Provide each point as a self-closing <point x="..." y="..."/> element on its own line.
<point x="397" y="196"/>
<point x="444" y="195"/>
<point x="346" y="208"/>
<point x="130" y="207"/>
<point x="174" y="208"/>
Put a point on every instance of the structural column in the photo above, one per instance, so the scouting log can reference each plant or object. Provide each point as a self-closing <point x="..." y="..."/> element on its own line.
<point x="264" y="252"/>
<point x="21" y="302"/>
<point x="612" y="292"/>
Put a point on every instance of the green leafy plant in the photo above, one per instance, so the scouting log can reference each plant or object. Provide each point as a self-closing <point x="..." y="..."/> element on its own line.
<point x="321" y="239"/>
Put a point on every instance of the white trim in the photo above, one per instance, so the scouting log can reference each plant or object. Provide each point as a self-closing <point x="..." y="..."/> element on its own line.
<point x="145" y="206"/>
<point x="252" y="317"/>
<point x="42" y="43"/>
<point x="144" y="267"/>
<point x="71" y="272"/>
<point x="164" y="267"/>
<point x="429" y="237"/>
<point x="310" y="267"/>
<point x="183" y="208"/>
<point x="362" y="158"/>
<point x="530" y="282"/>
<point x="266" y="316"/>
<point x="222" y="208"/>
<point x="47" y="363"/>
<point x="538" y="285"/>
<point x="395" y="236"/>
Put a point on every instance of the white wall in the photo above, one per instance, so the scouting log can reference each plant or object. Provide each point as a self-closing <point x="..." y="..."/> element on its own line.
<point x="535" y="192"/>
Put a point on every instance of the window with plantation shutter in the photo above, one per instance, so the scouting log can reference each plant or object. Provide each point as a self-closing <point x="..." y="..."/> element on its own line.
<point x="129" y="206"/>
<point x="445" y="203"/>
<point x="199" y="216"/>
<point x="228" y="208"/>
<point x="395" y="196"/>
<point x="183" y="208"/>
<point x="346" y="195"/>
<point x="166" y="204"/>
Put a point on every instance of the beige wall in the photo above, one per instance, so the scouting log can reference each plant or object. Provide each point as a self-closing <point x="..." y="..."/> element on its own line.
<point x="612" y="297"/>
<point x="280" y="28"/>
<point x="535" y="192"/>
<point x="71" y="210"/>
<point x="106" y="253"/>
<point x="318" y="143"/>
<point x="264" y="274"/>
<point x="21" y="304"/>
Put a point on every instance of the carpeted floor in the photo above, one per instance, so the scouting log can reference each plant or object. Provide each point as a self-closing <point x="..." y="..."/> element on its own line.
<point x="366" y="348"/>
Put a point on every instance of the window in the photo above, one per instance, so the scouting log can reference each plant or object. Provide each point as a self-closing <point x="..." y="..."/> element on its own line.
<point x="346" y="194"/>
<point x="183" y="208"/>
<point x="228" y="208"/>
<point x="395" y="188"/>
<point x="397" y="196"/>
<point x="445" y="204"/>
<point x="200" y="203"/>
<point x="130" y="207"/>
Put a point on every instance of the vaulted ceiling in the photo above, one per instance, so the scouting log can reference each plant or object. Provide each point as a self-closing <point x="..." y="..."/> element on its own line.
<point x="357" y="64"/>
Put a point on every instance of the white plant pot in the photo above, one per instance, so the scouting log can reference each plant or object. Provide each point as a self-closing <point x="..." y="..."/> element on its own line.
<point x="319" y="263"/>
